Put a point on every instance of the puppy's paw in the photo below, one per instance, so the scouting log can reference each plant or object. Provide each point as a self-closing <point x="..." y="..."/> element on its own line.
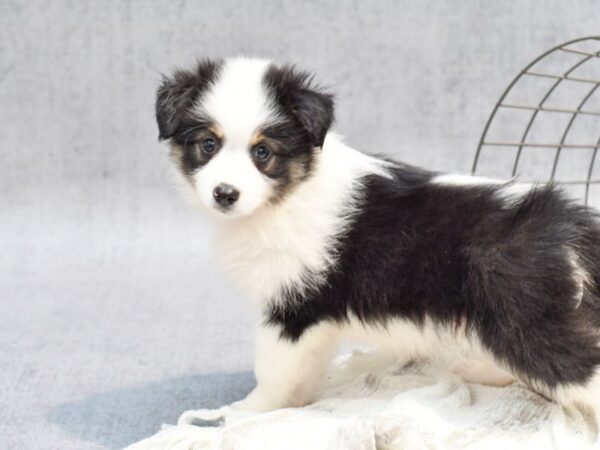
<point x="194" y="416"/>
<point x="255" y="402"/>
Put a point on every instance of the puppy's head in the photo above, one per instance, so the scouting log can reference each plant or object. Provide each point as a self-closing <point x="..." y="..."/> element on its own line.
<point x="243" y="132"/>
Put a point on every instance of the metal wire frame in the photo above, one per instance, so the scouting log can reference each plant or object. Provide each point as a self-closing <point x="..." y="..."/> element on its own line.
<point x="579" y="110"/>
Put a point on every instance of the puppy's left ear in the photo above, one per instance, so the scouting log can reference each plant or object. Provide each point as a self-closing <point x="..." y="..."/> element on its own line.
<point x="314" y="110"/>
<point x="178" y="92"/>
<point x="296" y="93"/>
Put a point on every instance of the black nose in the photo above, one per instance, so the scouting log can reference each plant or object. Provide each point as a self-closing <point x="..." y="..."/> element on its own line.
<point x="226" y="195"/>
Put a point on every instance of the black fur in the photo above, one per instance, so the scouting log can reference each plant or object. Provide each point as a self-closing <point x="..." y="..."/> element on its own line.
<point x="458" y="256"/>
<point x="462" y="255"/>
<point x="293" y="155"/>
<point x="177" y="94"/>
<point x="300" y="101"/>
<point x="306" y="109"/>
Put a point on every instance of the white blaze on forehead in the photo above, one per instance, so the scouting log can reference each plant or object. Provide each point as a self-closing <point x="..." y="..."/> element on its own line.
<point x="239" y="105"/>
<point x="238" y="101"/>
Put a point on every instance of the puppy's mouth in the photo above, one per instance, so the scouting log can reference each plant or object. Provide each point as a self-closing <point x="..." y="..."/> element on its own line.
<point x="227" y="210"/>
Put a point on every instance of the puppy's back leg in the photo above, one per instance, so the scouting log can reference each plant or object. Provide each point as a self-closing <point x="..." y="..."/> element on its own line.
<point x="482" y="371"/>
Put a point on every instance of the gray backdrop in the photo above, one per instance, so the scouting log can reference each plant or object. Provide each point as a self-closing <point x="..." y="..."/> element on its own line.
<point x="112" y="317"/>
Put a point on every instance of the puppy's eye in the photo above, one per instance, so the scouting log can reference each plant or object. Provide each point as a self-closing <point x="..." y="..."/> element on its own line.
<point x="209" y="145"/>
<point x="262" y="153"/>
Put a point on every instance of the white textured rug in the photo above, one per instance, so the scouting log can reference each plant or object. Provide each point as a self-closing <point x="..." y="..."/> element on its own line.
<point x="368" y="403"/>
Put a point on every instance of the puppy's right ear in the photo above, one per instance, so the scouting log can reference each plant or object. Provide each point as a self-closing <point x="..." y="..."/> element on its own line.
<point x="177" y="94"/>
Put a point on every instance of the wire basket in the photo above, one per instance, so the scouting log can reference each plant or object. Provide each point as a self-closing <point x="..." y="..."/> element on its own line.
<point x="546" y="125"/>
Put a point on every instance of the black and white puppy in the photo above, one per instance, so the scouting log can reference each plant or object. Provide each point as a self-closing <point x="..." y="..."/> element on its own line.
<point x="331" y="242"/>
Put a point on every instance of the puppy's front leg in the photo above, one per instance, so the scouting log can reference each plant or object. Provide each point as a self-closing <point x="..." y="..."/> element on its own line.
<point x="287" y="372"/>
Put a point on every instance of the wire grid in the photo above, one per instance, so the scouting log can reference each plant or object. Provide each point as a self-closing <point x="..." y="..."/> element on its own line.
<point x="562" y="82"/>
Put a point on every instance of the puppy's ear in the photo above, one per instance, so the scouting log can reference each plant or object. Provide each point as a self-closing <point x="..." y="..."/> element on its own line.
<point x="177" y="94"/>
<point x="295" y="91"/>
<point x="314" y="110"/>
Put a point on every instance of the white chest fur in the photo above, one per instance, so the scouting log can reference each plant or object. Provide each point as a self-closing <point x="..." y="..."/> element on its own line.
<point x="291" y="245"/>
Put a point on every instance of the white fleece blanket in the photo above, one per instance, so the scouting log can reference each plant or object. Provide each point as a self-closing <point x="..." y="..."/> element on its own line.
<point x="368" y="403"/>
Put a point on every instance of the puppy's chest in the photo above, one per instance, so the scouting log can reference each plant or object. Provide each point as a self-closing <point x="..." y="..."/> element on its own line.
<point x="266" y="263"/>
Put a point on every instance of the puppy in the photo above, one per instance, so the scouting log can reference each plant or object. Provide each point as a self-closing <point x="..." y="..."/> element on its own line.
<point x="331" y="242"/>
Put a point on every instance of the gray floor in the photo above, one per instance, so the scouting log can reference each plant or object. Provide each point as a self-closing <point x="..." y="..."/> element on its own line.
<point x="112" y="316"/>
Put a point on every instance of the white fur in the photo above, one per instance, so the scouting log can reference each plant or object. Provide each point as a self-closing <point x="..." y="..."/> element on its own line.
<point x="239" y="105"/>
<point x="273" y="248"/>
<point x="514" y="191"/>
<point x="482" y="371"/>
<point x="290" y="245"/>
<point x="455" y="179"/>
<point x="289" y="373"/>
<point x="233" y="165"/>
<point x="406" y="340"/>
<point x="581" y="277"/>
<point x="586" y="396"/>
<point x="508" y="190"/>
<point x="270" y="248"/>
<point x="238" y="101"/>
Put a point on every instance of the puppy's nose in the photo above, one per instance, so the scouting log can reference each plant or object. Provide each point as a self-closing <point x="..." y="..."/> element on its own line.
<point x="225" y="194"/>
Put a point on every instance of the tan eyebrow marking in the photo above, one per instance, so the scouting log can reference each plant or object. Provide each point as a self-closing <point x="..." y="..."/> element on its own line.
<point x="216" y="129"/>
<point x="257" y="137"/>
